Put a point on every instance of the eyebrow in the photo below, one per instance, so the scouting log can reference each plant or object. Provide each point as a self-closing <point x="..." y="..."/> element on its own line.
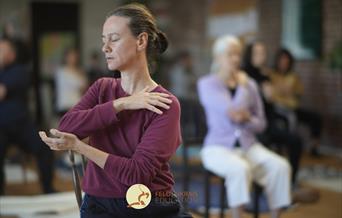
<point x="110" y="34"/>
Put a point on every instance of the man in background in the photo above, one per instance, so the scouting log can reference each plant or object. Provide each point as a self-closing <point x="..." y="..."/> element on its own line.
<point x="16" y="127"/>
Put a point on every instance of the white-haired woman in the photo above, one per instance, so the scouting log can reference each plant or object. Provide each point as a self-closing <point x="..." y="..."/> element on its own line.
<point x="235" y="114"/>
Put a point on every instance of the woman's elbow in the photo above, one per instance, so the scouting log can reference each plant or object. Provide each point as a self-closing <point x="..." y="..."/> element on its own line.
<point x="64" y="126"/>
<point x="71" y="127"/>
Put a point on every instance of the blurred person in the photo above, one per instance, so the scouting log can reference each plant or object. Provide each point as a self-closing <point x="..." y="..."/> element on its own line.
<point x="133" y="124"/>
<point x="254" y="64"/>
<point x="70" y="81"/>
<point x="287" y="92"/>
<point x="95" y="70"/>
<point x="16" y="127"/>
<point x="181" y="76"/>
<point x="235" y="114"/>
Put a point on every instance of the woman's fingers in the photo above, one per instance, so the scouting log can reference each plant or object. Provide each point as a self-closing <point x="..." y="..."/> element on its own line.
<point x="56" y="147"/>
<point x="159" y="104"/>
<point x="61" y="141"/>
<point x="57" y="133"/>
<point x="53" y="147"/>
<point x="160" y="94"/>
<point x="55" y="141"/>
<point x="43" y="136"/>
<point x="163" y="99"/>
<point x="154" y="109"/>
<point x="147" y="100"/>
<point x="158" y="100"/>
<point x="60" y="134"/>
<point x="47" y="139"/>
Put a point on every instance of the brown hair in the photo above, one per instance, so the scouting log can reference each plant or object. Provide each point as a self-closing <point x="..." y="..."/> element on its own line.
<point x="142" y="20"/>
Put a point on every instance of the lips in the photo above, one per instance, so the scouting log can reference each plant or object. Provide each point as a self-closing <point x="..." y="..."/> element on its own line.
<point x="109" y="58"/>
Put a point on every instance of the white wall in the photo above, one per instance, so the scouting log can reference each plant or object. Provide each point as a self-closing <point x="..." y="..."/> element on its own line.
<point x="93" y="14"/>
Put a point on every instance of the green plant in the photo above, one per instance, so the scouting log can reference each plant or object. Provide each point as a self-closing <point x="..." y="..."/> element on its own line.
<point x="335" y="57"/>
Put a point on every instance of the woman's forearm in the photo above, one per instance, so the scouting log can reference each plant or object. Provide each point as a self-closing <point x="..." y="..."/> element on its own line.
<point x="97" y="156"/>
<point x="83" y="122"/>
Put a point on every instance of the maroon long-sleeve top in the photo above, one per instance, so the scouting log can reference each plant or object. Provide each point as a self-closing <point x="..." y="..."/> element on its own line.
<point x="139" y="142"/>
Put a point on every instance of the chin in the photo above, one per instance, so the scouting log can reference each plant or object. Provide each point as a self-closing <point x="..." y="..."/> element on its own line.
<point x="112" y="67"/>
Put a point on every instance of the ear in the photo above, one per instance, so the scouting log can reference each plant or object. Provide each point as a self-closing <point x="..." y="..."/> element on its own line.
<point x="142" y="41"/>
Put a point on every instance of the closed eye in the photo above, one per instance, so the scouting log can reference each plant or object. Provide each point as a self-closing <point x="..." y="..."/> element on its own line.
<point x="112" y="40"/>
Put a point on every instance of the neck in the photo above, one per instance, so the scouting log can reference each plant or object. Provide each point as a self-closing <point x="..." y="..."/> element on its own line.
<point x="136" y="77"/>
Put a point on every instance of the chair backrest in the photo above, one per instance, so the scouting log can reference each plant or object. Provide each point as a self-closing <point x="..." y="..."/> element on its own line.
<point x="193" y="120"/>
<point x="76" y="176"/>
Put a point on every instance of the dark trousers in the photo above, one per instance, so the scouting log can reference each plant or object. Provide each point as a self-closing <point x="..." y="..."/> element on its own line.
<point x="98" y="207"/>
<point x="293" y="144"/>
<point x="312" y="120"/>
<point x="278" y="133"/>
<point x="24" y="134"/>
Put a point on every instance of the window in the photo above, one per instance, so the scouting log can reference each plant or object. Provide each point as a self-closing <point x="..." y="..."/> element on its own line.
<point x="301" y="28"/>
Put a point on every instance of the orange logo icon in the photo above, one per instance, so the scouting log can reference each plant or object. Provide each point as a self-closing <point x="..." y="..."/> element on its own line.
<point x="138" y="196"/>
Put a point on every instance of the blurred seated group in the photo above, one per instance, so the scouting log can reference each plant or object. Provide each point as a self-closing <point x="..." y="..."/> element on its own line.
<point x="252" y="113"/>
<point x="281" y="90"/>
<point x="235" y="115"/>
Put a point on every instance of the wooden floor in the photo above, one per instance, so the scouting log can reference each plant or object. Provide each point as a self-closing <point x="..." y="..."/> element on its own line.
<point x="329" y="205"/>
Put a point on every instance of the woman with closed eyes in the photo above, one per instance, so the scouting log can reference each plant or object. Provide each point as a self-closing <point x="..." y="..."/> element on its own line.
<point x="132" y="123"/>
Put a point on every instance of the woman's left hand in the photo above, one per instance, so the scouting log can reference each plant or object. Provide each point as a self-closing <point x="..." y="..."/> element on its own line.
<point x="239" y="116"/>
<point x="242" y="78"/>
<point x="61" y="141"/>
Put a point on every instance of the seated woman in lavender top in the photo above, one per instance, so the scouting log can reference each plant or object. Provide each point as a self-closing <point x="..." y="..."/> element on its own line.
<point x="132" y="123"/>
<point x="235" y="114"/>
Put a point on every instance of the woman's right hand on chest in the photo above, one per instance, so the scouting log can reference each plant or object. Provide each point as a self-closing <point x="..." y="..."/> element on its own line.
<point x="143" y="100"/>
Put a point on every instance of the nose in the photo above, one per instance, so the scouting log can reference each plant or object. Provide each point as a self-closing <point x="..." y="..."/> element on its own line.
<point x="106" y="48"/>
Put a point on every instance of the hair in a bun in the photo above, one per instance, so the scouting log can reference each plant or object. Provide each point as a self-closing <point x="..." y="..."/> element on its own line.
<point x="141" y="20"/>
<point x="161" y="42"/>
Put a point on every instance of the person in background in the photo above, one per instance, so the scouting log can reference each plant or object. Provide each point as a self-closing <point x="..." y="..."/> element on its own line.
<point x="235" y="114"/>
<point x="181" y="76"/>
<point x="254" y="64"/>
<point x="16" y="127"/>
<point x="70" y="82"/>
<point x="287" y="91"/>
<point x="95" y="70"/>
